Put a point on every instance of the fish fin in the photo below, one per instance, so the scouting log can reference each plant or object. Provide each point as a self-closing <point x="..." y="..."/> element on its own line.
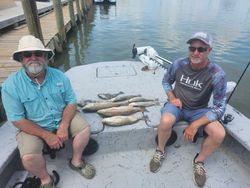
<point x="103" y="96"/>
<point x="144" y="109"/>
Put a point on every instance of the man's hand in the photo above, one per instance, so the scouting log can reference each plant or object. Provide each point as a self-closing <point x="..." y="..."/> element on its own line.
<point x="177" y="102"/>
<point x="53" y="141"/>
<point x="62" y="132"/>
<point x="190" y="132"/>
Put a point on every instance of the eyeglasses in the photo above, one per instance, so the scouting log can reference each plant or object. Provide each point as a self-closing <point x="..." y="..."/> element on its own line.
<point x="28" y="54"/>
<point x="199" y="49"/>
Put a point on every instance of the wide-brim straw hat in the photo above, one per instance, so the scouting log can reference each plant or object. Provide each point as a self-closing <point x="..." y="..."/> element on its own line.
<point x="30" y="43"/>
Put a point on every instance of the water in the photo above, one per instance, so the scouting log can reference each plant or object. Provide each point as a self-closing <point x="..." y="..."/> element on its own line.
<point x="109" y="33"/>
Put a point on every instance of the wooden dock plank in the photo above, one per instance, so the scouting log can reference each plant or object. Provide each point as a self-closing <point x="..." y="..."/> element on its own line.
<point x="9" y="40"/>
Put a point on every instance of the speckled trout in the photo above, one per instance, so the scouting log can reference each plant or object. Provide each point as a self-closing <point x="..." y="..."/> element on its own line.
<point x="117" y="121"/>
<point x="107" y="96"/>
<point x="120" y="111"/>
<point x="144" y="103"/>
<point x="141" y="99"/>
<point x="124" y="97"/>
<point x="93" y="107"/>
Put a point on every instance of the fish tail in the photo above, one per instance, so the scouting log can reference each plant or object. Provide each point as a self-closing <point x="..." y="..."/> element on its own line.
<point x="104" y="122"/>
<point x="157" y="103"/>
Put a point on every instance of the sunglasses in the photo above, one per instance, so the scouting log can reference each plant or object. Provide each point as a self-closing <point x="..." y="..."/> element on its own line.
<point x="199" y="49"/>
<point x="28" y="54"/>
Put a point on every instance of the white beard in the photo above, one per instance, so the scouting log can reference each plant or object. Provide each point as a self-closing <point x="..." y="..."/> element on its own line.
<point x="35" y="67"/>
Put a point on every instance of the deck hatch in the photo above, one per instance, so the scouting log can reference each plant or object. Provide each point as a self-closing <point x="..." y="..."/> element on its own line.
<point x="115" y="71"/>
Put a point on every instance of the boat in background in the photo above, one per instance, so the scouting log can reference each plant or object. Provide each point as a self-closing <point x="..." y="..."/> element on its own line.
<point x="105" y="1"/>
<point x="122" y="159"/>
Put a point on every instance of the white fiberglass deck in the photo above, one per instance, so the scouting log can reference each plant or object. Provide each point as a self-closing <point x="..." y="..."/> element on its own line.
<point x="124" y="152"/>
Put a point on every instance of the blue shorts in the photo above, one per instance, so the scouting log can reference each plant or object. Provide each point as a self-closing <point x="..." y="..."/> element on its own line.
<point x="184" y="114"/>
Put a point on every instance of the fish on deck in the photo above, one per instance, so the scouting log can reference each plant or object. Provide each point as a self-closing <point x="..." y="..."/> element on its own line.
<point x="117" y="121"/>
<point x="124" y="97"/>
<point x="95" y="106"/>
<point x="120" y="111"/>
<point x="82" y="103"/>
<point x="140" y="99"/>
<point x="108" y="96"/>
<point x="144" y="103"/>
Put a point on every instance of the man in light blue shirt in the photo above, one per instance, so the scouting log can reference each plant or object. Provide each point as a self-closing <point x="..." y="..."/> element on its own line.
<point x="40" y="102"/>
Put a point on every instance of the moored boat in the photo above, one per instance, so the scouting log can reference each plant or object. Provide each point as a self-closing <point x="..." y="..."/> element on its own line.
<point x="105" y="1"/>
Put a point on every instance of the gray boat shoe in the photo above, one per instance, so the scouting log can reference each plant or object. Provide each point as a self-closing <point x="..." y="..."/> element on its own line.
<point x="85" y="169"/>
<point x="156" y="161"/>
<point x="199" y="175"/>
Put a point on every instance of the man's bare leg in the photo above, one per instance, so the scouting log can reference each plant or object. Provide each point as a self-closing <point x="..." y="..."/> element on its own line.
<point x="79" y="143"/>
<point x="36" y="165"/>
<point x="216" y="134"/>
<point x="164" y="130"/>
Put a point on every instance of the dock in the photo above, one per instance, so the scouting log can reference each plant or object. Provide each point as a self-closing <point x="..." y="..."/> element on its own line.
<point x="9" y="37"/>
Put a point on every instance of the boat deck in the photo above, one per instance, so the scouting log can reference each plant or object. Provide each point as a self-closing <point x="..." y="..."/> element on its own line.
<point x="124" y="152"/>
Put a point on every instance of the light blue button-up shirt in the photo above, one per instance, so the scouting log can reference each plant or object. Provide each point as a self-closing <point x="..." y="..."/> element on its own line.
<point x="25" y="99"/>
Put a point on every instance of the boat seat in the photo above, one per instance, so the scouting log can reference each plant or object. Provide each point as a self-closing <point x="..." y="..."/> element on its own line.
<point x="90" y="148"/>
<point x="238" y="128"/>
<point x="8" y="147"/>
<point x="8" y="143"/>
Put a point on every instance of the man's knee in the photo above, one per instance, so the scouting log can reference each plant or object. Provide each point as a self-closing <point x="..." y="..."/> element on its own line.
<point x="78" y="125"/>
<point x="84" y="133"/>
<point x="216" y="130"/>
<point x="167" y="121"/>
<point x="30" y="157"/>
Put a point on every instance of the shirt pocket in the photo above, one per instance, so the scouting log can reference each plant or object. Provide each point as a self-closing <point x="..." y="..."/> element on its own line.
<point x="58" y="95"/>
<point x="32" y="105"/>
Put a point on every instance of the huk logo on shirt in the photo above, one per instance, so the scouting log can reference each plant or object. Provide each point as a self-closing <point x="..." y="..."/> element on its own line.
<point x="195" y="84"/>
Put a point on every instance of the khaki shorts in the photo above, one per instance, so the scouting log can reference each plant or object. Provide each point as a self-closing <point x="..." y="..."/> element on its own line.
<point x="28" y="144"/>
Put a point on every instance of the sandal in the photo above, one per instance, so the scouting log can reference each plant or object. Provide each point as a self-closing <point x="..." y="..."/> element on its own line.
<point x="50" y="184"/>
<point x="85" y="169"/>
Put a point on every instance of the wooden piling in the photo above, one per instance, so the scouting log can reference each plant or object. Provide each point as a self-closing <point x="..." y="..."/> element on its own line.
<point x="60" y="24"/>
<point x="71" y="13"/>
<point x="32" y="19"/>
<point x="78" y="10"/>
<point x="83" y="7"/>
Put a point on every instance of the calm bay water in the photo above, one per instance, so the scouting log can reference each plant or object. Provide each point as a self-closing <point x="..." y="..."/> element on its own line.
<point x="109" y="32"/>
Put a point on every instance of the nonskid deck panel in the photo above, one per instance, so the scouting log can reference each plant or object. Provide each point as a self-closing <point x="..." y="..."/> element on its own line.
<point x="123" y="161"/>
